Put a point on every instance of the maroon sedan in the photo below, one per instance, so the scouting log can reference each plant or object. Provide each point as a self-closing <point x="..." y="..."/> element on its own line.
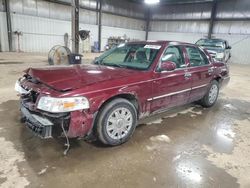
<point x="107" y="98"/>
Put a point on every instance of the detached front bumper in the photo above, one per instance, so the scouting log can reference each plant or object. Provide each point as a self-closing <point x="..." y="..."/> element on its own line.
<point x="48" y="125"/>
<point x="39" y="125"/>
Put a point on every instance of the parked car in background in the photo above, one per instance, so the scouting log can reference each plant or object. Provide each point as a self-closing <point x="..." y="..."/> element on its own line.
<point x="129" y="82"/>
<point x="219" y="49"/>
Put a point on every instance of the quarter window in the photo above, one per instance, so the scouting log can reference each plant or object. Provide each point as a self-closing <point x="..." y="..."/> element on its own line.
<point x="196" y="57"/>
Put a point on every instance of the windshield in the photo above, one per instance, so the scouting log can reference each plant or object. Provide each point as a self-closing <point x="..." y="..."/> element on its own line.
<point x="210" y="43"/>
<point x="132" y="56"/>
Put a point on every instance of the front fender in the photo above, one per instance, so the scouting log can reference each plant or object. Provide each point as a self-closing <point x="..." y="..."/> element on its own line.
<point x="98" y="99"/>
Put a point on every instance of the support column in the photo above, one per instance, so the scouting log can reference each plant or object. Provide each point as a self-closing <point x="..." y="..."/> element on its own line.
<point x="100" y="25"/>
<point x="148" y="15"/>
<point x="75" y="26"/>
<point x="9" y="28"/>
<point x="213" y="15"/>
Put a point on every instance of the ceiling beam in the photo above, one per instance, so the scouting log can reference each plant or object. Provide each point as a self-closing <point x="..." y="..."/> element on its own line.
<point x="177" y="2"/>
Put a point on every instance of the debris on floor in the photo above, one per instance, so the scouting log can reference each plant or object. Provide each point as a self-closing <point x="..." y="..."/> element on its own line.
<point x="157" y="121"/>
<point x="43" y="170"/>
<point x="230" y="107"/>
<point x="160" y="138"/>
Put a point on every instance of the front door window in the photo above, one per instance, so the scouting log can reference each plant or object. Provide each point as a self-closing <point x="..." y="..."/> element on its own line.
<point x="174" y="54"/>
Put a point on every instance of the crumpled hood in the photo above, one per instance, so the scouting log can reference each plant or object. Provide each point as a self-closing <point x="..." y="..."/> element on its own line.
<point x="65" y="78"/>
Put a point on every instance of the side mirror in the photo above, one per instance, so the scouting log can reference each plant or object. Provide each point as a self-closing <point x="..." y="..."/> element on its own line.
<point x="229" y="47"/>
<point x="167" y="66"/>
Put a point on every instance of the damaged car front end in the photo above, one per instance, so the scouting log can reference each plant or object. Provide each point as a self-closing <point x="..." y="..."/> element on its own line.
<point x="47" y="114"/>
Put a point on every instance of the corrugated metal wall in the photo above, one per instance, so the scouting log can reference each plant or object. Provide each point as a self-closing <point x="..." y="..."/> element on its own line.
<point x="179" y="26"/>
<point x="124" y="8"/>
<point x="236" y="32"/>
<point x="4" y="46"/>
<point x="182" y="11"/>
<point x="44" y="23"/>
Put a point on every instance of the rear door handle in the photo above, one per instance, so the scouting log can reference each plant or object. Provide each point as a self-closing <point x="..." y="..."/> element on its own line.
<point x="187" y="74"/>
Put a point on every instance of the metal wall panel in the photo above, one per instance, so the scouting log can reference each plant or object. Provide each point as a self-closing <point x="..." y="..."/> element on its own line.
<point x="123" y="22"/>
<point x="124" y="8"/>
<point x="186" y="11"/>
<point x="88" y="3"/>
<point x="88" y="17"/>
<point x="3" y="32"/>
<point x="40" y="34"/>
<point x="2" y="6"/>
<point x="16" y="6"/>
<point x="240" y="47"/>
<point x="180" y="26"/>
<point x="233" y="9"/>
<point x="30" y="7"/>
<point x="232" y="27"/>
<point x="43" y="9"/>
<point x="62" y="12"/>
<point x="184" y="37"/>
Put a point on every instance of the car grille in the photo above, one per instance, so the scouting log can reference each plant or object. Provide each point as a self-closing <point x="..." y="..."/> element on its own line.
<point x="33" y="96"/>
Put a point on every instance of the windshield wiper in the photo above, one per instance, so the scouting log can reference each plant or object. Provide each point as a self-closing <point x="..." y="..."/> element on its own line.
<point x="99" y="62"/>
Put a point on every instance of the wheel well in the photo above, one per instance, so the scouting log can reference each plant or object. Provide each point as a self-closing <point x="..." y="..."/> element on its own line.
<point x="131" y="98"/>
<point x="218" y="79"/>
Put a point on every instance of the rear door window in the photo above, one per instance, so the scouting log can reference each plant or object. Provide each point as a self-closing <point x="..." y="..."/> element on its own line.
<point x="196" y="57"/>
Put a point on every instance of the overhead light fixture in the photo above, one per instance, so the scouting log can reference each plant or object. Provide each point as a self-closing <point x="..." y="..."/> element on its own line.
<point x="151" y="2"/>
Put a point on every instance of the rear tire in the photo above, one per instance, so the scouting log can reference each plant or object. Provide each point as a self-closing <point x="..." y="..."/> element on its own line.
<point x="116" y="122"/>
<point x="211" y="96"/>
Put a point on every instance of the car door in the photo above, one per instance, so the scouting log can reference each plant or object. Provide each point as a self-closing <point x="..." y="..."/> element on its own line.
<point x="171" y="88"/>
<point x="201" y="71"/>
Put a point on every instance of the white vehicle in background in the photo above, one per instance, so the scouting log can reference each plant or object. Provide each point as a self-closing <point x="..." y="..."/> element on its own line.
<point x="219" y="49"/>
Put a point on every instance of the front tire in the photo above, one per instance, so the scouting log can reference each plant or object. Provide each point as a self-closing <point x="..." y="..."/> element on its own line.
<point x="211" y="96"/>
<point x="116" y="122"/>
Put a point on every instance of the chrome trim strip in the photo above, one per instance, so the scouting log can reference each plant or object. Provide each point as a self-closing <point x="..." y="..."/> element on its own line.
<point x="177" y="92"/>
<point x="197" y="87"/>
<point x="169" y="94"/>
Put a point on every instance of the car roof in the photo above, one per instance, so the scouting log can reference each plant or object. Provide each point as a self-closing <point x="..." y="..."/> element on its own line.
<point x="161" y="42"/>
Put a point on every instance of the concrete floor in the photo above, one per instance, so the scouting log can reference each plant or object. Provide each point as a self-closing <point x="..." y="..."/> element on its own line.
<point x="188" y="147"/>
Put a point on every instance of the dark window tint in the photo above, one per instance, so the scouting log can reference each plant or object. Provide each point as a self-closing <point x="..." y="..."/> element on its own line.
<point x="196" y="57"/>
